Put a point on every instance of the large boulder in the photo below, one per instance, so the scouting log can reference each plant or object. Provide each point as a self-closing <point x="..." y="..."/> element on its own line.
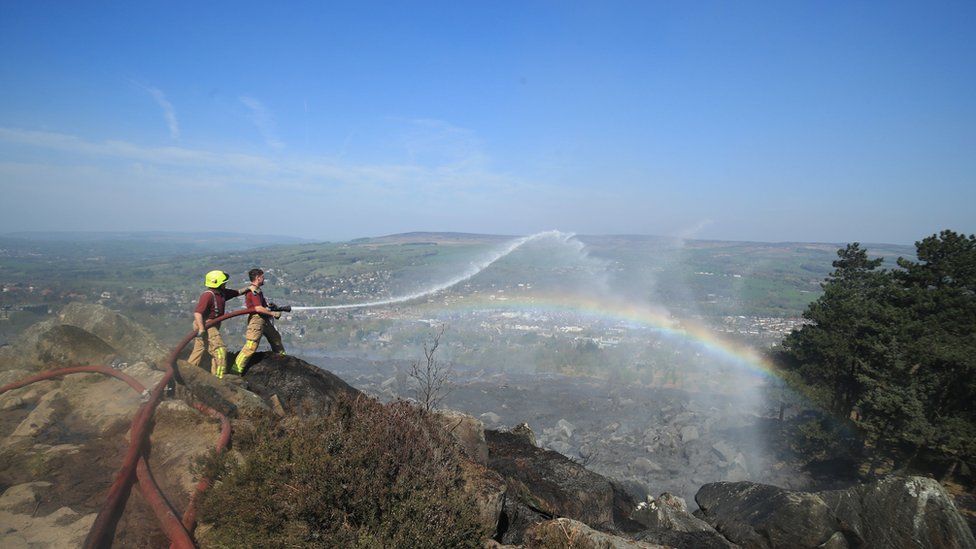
<point x="893" y="512"/>
<point x="668" y="522"/>
<point x="488" y="489"/>
<point x="564" y="532"/>
<point x="62" y="345"/>
<point x="545" y="484"/>
<point x="22" y="351"/>
<point x="467" y="431"/>
<point x="81" y="334"/>
<point x="759" y="515"/>
<point x="227" y="397"/>
<point x="62" y="528"/>
<point x="300" y="387"/>
<point x="901" y="512"/>
<point x="130" y="339"/>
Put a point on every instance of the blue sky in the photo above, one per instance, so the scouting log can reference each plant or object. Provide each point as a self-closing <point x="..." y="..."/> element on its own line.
<point x="773" y="121"/>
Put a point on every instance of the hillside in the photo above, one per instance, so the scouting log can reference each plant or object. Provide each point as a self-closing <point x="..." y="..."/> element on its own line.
<point x="315" y="463"/>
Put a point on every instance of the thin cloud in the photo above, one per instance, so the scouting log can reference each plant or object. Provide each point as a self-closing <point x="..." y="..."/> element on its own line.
<point x="264" y="121"/>
<point x="168" y="112"/>
<point x="306" y="174"/>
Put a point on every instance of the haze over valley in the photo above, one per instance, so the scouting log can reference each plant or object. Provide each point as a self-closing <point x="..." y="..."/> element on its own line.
<point x="642" y="356"/>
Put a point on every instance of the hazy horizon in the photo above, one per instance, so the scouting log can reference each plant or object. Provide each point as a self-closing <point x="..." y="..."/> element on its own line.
<point x="69" y="236"/>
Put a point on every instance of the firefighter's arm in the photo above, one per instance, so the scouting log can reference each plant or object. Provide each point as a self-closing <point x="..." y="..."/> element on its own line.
<point x="267" y="311"/>
<point x="198" y="323"/>
<point x="230" y="293"/>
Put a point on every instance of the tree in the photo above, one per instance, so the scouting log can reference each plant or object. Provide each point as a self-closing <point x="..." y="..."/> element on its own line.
<point x="940" y="298"/>
<point x="432" y="378"/>
<point x="851" y="322"/>
<point x="895" y="351"/>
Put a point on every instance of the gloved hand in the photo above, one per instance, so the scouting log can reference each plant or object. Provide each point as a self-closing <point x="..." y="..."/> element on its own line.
<point x="277" y="314"/>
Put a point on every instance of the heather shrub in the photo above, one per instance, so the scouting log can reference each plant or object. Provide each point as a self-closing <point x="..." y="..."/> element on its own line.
<point x="364" y="475"/>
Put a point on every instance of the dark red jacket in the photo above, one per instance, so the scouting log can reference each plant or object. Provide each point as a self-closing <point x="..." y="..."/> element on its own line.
<point x="212" y="302"/>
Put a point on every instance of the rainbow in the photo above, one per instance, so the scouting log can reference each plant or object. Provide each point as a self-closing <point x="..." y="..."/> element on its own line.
<point x="656" y="319"/>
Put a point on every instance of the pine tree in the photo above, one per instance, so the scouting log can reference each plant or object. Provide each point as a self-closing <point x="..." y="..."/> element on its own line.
<point x="851" y="322"/>
<point x="895" y="351"/>
<point x="940" y="298"/>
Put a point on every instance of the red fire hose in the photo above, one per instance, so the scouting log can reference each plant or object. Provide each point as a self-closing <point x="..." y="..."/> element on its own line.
<point x="103" y="529"/>
<point x="173" y="528"/>
<point x="134" y="465"/>
<point x="190" y="516"/>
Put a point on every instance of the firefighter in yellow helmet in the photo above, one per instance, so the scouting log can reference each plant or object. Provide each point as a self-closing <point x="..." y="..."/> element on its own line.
<point x="258" y="325"/>
<point x="210" y="306"/>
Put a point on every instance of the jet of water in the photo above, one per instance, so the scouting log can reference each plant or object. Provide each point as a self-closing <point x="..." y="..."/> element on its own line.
<point x="472" y="270"/>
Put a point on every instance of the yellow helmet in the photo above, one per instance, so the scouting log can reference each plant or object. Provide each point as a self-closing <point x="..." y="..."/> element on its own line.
<point x="215" y="279"/>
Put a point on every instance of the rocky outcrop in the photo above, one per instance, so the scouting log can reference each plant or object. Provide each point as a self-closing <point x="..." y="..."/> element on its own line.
<point x="467" y="431"/>
<point x="668" y="522"/>
<point x="758" y="515"/>
<point x="130" y="339"/>
<point x="61" y="440"/>
<point x="488" y="490"/>
<point x="564" y="532"/>
<point x="300" y="387"/>
<point x="81" y="334"/>
<point x="893" y="512"/>
<point x="22" y="527"/>
<point x="229" y="397"/>
<point x="544" y="484"/>
<point x="901" y="512"/>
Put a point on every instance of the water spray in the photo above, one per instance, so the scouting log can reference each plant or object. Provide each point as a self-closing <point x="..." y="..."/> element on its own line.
<point x="475" y="268"/>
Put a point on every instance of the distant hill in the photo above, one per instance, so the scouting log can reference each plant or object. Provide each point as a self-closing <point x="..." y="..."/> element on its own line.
<point x="434" y="237"/>
<point x="205" y="240"/>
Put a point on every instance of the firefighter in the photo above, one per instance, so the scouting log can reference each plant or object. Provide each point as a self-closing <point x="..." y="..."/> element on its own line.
<point x="210" y="306"/>
<point x="258" y="324"/>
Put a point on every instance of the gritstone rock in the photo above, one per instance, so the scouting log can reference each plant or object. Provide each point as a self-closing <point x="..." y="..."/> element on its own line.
<point x="523" y="431"/>
<point x="901" y="512"/>
<point x="302" y="388"/>
<point x="62" y="528"/>
<point x="488" y="489"/>
<point x="467" y="431"/>
<point x="892" y="512"/>
<point x="643" y="466"/>
<point x="564" y="532"/>
<point x="197" y="384"/>
<point x="689" y="433"/>
<point x="758" y="515"/>
<point x="668" y="522"/>
<point x="490" y="418"/>
<point x="550" y="484"/>
<point x="565" y="429"/>
<point x="129" y="338"/>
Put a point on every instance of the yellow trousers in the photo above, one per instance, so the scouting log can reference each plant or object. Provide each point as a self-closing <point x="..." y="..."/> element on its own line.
<point x="213" y="344"/>
<point x="257" y="326"/>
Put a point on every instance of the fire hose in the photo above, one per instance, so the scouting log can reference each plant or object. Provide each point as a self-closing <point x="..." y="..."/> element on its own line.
<point x="134" y="465"/>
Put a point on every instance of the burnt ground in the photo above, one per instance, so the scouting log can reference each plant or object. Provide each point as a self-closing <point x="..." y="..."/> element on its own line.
<point x="652" y="439"/>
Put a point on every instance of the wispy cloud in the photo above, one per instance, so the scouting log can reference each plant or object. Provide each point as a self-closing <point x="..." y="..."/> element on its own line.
<point x="264" y="121"/>
<point x="305" y="173"/>
<point x="168" y="112"/>
<point x="453" y="188"/>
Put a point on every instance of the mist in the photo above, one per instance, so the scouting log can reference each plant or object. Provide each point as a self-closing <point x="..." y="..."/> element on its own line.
<point x="547" y="330"/>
